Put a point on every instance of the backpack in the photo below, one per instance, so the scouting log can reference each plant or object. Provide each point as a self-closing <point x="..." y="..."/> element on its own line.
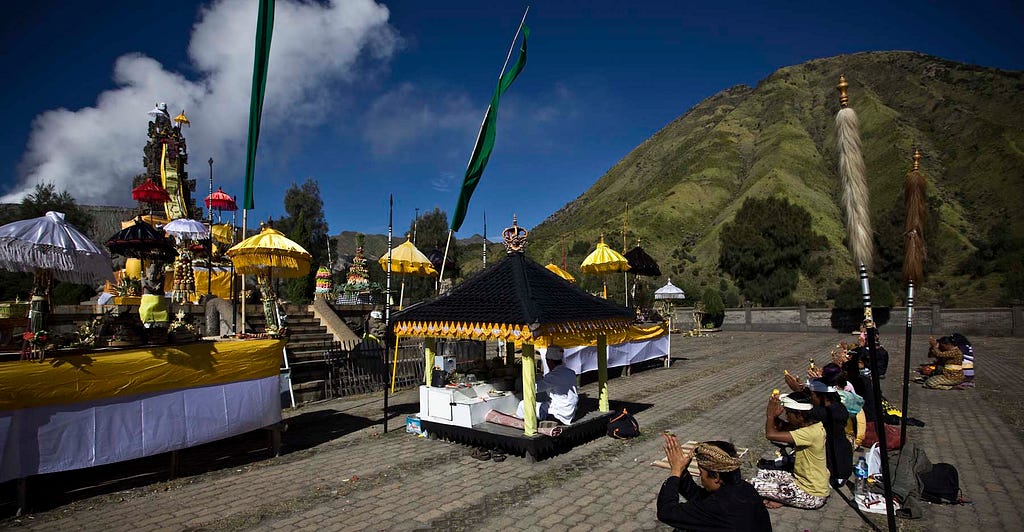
<point x="941" y="484"/>
<point x="623" y="426"/>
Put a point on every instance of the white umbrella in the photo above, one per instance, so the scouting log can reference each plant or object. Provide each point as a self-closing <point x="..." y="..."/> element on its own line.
<point x="49" y="246"/>
<point x="51" y="243"/>
<point x="669" y="291"/>
<point x="187" y="229"/>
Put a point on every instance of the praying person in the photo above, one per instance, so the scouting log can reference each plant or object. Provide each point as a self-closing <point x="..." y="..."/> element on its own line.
<point x="949" y="361"/>
<point x="827" y="406"/>
<point x="559" y="387"/>
<point x="808" y="485"/>
<point x="722" y="501"/>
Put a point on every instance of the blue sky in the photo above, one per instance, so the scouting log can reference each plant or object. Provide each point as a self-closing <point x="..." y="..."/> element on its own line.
<point x="376" y="98"/>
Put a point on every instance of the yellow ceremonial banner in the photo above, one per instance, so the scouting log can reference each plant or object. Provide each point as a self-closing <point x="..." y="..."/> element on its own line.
<point x="220" y="285"/>
<point x="96" y="376"/>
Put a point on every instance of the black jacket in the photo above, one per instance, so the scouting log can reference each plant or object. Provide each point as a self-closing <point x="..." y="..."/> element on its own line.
<point x="732" y="507"/>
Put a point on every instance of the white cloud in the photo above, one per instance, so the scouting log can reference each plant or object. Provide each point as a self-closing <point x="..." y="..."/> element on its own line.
<point x="93" y="152"/>
<point x="410" y="114"/>
<point x="443" y="182"/>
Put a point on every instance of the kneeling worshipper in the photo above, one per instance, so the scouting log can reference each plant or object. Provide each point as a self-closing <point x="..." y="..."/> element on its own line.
<point x="827" y="406"/>
<point x="949" y="370"/>
<point x="722" y="501"/>
<point x="808" y="485"/>
<point x="558" y="389"/>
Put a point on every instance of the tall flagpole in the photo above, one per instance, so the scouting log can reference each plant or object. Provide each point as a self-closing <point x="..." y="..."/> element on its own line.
<point x="625" y="275"/>
<point x="480" y="133"/>
<point x="485" y="239"/>
<point x="387" y="309"/>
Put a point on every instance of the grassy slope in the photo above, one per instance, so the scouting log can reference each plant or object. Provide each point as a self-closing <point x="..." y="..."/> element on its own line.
<point x="683" y="183"/>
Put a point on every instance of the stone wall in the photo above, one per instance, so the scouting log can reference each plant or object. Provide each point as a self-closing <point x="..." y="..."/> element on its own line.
<point x="998" y="321"/>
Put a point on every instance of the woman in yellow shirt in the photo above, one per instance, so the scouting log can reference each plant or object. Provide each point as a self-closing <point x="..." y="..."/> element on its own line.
<point x="807" y="486"/>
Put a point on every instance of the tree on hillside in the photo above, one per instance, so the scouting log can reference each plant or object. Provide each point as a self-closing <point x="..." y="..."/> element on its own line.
<point x="306" y="224"/>
<point x="766" y="246"/>
<point x="46" y="198"/>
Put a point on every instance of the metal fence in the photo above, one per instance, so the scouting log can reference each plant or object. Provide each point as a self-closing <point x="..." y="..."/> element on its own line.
<point x="365" y="368"/>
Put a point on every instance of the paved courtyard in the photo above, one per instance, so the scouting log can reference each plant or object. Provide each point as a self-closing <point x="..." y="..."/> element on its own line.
<point x="338" y="471"/>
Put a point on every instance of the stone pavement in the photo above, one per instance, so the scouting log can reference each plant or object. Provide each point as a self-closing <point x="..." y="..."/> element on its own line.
<point x="339" y="472"/>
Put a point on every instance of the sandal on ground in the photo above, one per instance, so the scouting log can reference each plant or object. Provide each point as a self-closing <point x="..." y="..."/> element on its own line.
<point x="498" y="456"/>
<point x="481" y="454"/>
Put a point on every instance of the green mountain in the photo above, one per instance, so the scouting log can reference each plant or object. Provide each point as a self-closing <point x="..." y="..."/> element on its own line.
<point x="778" y="139"/>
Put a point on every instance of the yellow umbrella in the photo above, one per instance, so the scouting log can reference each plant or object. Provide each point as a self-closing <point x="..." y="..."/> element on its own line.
<point x="270" y="252"/>
<point x="267" y="254"/>
<point x="604" y="260"/>
<point x="407" y="260"/>
<point x="223" y="233"/>
<point x="561" y="273"/>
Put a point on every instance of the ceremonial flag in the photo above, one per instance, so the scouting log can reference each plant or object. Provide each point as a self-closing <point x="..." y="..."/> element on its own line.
<point x="485" y="138"/>
<point x="264" y="32"/>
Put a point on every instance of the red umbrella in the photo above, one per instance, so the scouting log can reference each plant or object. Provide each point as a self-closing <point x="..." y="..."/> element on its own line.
<point x="221" y="201"/>
<point x="150" y="192"/>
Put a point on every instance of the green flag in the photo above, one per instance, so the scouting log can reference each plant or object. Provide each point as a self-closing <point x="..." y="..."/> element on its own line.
<point x="264" y="32"/>
<point x="485" y="139"/>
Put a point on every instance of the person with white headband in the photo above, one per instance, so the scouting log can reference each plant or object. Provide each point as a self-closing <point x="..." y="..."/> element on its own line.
<point x="828" y="408"/>
<point x="807" y="486"/>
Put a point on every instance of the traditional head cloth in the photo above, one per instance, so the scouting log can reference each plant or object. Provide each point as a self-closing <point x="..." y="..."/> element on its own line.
<point x="553" y="353"/>
<point x="792" y="404"/>
<point x="817" y="385"/>
<point x="715" y="459"/>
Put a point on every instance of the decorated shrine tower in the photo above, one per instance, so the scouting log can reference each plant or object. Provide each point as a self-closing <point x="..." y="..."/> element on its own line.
<point x="165" y="157"/>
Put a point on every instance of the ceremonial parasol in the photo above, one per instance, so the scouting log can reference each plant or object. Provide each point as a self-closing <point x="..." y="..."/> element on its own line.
<point x="560" y="272"/>
<point x="407" y="260"/>
<point x="51" y="247"/>
<point x="436" y="257"/>
<point x="640" y="263"/>
<point x="669" y="293"/>
<point x="221" y="201"/>
<point x="187" y="229"/>
<point x="150" y="192"/>
<point x="604" y="260"/>
<point x="140" y="241"/>
<point x="223" y="233"/>
<point x="266" y="254"/>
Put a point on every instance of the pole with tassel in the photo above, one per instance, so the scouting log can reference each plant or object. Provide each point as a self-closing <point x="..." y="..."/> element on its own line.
<point x="387" y="307"/>
<point x="914" y="190"/>
<point x="858" y="226"/>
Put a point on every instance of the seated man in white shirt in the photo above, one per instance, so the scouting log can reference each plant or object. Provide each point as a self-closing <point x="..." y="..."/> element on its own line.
<point x="556" y="391"/>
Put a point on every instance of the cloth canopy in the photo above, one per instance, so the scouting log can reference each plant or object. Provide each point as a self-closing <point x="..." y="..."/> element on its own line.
<point x="221" y="201"/>
<point x="187" y="229"/>
<point x="269" y="249"/>
<point x="640" y="263"/>
<point x="406" y="259"/>
<point x="150" y="192"/>
<point x="223" y="233"/>
<point x="436" y="257"/>
<point x="604" y="260"/>
<point x="553" y="268"/>
<point x="669" y="291"/>
<point x="51" y="243"/>
<point x="141" y="240"/>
